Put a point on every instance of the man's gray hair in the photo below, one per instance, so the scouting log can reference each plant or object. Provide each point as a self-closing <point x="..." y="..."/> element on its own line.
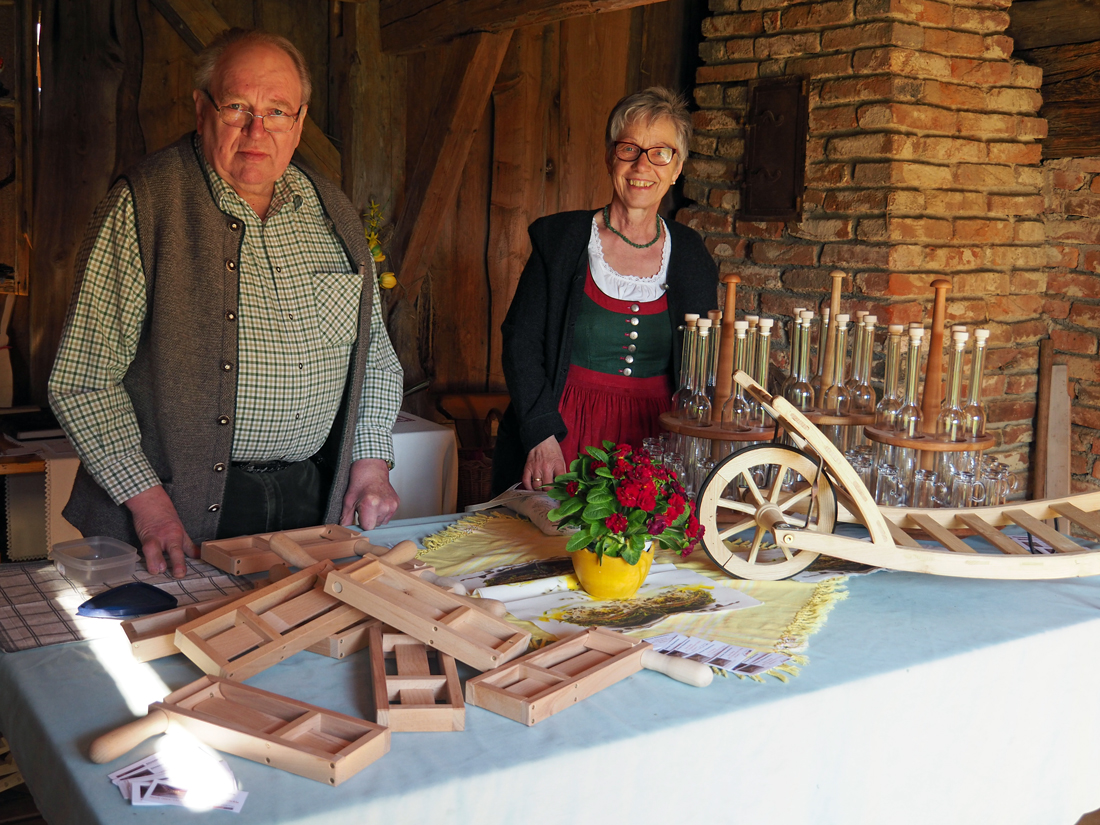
<point x="647" y="106"/>
<point x="207" y="60"/>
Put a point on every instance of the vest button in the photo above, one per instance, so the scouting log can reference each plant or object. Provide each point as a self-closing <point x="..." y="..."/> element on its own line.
<point x="633" y="322"/>
<point x="234" y="225"/>
<point x="227" y="366"/>
<point x="223" y="419"/>
<point x="231" y="316"/>
<point x="634" y="307"/>
<point x="213" y="508"/>
<point x="219" y="467"/>
<point x="629" y="359"/>
<point x="633" y="335"/>
<point x="627" y="372"/>
<point x="231" y="266"/>
<point x="632" y="348"/>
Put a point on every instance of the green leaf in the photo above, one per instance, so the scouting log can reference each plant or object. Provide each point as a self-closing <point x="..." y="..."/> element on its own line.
<point x="595" y="452"/>
<point x="571" y="506"/>
<point x="578" y="541"/>
<point x="597" y="512"/>
<point x="604" y="472"/>
<point x="600" y="496"/>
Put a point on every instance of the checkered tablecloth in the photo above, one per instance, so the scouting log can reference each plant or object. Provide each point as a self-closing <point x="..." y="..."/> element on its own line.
<point x="38" y="605"/>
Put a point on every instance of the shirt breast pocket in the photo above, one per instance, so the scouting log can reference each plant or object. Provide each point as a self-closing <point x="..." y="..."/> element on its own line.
<point x="336" y="295"/>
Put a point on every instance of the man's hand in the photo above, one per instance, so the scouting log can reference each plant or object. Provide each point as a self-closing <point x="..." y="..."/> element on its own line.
<point x="369" y="494"/>
<point x="159" y="528"/>
<point x="544" y="463"/>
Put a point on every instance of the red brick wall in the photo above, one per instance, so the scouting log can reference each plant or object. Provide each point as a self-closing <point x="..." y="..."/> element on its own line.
<point x="923" y="162"/>
<point x="1071" y="301"/>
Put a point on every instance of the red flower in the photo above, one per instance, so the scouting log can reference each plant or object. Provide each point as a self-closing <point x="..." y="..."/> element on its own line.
<point x="628" y="493"/>
<point x="694" y="530"/>
<point x="621" y="468"/>
<point x="572" y="487"/>
<point x="623" y="449"/>
<point x="616" y="522"/>
<point x="676" y="505"/>
<point x="647" y="499"/>
<point x="657" y="526"/>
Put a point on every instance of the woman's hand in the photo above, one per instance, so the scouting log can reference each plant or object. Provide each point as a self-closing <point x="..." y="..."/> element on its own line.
<point x="544" y="463"/>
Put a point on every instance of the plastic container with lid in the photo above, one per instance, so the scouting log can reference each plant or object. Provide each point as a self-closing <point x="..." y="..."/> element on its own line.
<point x="94" y="559"/>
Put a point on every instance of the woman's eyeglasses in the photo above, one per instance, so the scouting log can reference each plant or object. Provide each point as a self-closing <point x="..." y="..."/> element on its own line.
<point x="658" y="155"/>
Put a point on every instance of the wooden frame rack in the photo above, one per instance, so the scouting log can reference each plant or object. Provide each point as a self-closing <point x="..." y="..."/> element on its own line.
<point x="413" y="697"/>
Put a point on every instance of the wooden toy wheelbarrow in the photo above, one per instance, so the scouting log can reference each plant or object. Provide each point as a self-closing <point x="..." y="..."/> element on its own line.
<point x="797" y="495"/>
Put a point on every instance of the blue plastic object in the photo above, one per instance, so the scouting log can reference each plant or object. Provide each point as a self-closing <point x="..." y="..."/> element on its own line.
<point x="126" y="601"/>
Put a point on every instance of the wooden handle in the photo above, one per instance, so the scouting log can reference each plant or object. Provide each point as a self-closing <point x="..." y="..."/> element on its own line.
<point x="830" y="334"/>
<point x="290" y="551"/>
<point x="402" y="552"/>
<point x="933" y="372"/>
<point x="724" y="374"/>
<point x="491" y="605"/>
<point x="446" y="582"/>
<point x="675" y="667"/>
<point x="111" y="746"/>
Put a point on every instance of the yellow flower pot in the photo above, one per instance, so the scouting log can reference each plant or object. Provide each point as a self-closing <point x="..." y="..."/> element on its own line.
<point x="610" y="577"/>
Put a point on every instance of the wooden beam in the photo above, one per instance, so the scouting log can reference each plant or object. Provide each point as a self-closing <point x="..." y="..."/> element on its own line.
<point x="1039" y="23"/>
<point x="414" y="25"/>
<point x="198" y="22"/>
<point x="473" y="63"/>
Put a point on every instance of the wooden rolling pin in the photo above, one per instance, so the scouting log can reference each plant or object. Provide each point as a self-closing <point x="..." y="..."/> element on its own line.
<point x="675" y="667"/>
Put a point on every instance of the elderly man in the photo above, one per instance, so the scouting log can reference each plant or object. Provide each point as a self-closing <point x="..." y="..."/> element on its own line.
<point x="224" y="369"/>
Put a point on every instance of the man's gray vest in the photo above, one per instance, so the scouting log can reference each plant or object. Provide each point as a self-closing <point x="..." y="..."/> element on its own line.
<point x="183" y="380"/>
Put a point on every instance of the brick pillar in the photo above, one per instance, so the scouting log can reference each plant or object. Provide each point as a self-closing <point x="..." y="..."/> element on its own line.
<point x="922" y="162"/>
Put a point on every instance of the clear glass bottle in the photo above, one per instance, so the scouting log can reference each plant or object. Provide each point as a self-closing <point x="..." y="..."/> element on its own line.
<point x="836" y="396"/>
<point x="683" y="394"/>
<point x="795" y="340"/>
<point x="863" y="394"/>
<point x="858" y="334"/>
<point x="974" y="412"/>
<point x="886" y="412"/>
<point x="715" y="316"/>
<point x="951" y="421"/>
<point x="763" y="362"/>
<point x="818" y="379"/>
<point x="735" y="412"/>
<point x="698" y="409"/>
<point x="909" y="418"/>
<point x="800" y="393"/>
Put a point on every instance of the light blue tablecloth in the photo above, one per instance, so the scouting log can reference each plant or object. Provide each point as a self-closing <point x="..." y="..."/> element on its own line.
<point x="926" y="700"/>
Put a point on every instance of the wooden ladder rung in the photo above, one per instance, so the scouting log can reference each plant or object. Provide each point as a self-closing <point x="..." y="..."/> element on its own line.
<point x="991" y="534"/>
<point x="1043" y="531"/>
<point x="940" y="534"/>
<point x="1090" y="521"/>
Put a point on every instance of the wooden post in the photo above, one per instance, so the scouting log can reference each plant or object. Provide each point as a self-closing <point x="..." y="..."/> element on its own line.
<point x="725" y="348"/>
<point x="830" y="335"/>
<point x="933" y="373"/>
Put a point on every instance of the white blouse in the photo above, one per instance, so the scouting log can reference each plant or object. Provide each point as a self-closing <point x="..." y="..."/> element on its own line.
<point x="626" y="287"/>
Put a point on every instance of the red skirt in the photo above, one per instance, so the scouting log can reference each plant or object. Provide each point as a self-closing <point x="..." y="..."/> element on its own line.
<point x="598" y="406"/>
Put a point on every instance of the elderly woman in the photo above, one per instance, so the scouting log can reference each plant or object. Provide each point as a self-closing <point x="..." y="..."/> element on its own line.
<point x="590" y="340"/>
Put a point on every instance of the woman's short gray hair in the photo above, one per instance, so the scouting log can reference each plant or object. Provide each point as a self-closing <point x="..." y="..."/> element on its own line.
<point x="207" y="60"/>
<point x="654" y="103"/>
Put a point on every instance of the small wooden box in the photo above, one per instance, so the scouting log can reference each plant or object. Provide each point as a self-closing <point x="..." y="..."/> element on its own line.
<point x="252" y="554"/>
<point x="427" y="613"/>
<point x="266" y="626"/>
<point x="558" y="676"/>
<point x="422" y="693"/>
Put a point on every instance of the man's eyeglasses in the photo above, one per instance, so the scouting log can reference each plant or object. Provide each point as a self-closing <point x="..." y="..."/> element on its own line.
<point x="658" y="155"/>
<point x="242" y="118"/>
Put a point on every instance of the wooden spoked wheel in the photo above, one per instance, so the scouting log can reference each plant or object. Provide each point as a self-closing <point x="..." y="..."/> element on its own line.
<point x="758" y="489"/>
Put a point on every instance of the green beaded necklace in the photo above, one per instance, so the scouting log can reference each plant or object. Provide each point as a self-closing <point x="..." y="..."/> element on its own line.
<point x="607" y="223"/>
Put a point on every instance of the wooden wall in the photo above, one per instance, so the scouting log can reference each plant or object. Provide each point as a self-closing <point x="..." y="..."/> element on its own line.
<point x="538" y="148"/>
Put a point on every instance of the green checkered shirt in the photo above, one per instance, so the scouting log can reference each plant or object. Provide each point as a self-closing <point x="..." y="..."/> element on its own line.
<point x="298" y="313"/>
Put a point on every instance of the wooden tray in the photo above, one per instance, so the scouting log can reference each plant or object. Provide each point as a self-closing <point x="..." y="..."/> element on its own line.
<point x="416" y="688"/>
<point x="267" y="728"/>
<point x="154" y="636"/>
<point x="556" y="677"/>
<point x="252" y="554"/>
<point x="266" y="626"/>
<point x="428" y="613"/>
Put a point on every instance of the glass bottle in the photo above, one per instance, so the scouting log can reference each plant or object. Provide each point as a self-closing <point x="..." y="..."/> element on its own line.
<point x="683" y="394"/>
<point x="698" y="409"/>
<point x="863" y="394"/>
<point x="763" y="361"/>
<point x="735" y="412"/>
<point x="974" y="411"/>
<point x="886" y="412"/>
<point x="795" y="339"/>
<point x="819" y="374"/>
<point x="909" y="418"/>
<point x="951" y="422"/>
<point x="800" y="393"/>
<point x="836" y="396"/>
<point x="858" y="334"/>
<point x="715" y="316"/>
